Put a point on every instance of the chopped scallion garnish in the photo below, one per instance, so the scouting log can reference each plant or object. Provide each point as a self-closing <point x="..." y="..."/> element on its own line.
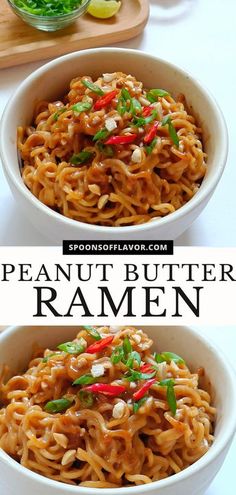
<point x="139" y="403"/>
<point x="58" y="405"/>
<point x="93" y="87"/>
<point x="93" y="332"/>
<point x="133" y="375"/>
<point x="82" y="157"/>
<point x="154" y="94"/>
<point x="59" y="112"/>
<point x="168" y="357"/>
<point x="149" y="149"/>
<point x="172" y="132"/>
<point x="81" y="107"/>
<point x="84" y="380"/>
<point x="102" y="134"/>
<point x="71" y="347"/>
<point x="86" y="398"/>
<point x="170" y="394"/>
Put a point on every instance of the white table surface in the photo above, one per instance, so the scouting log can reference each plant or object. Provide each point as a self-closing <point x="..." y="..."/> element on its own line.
<point x="198" y="35"/>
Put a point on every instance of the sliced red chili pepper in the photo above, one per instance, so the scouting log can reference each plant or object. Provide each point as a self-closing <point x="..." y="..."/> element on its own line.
<point x="125" y="139"/>
<point x="105" y="100"/>
<point x="100" y="345"/>
<point x="106" y="389"/>
<point x="142" y="391"/>
<point x="148" y="110"/>
<point x="151" y="133"/>
<point x="146" y="368"/>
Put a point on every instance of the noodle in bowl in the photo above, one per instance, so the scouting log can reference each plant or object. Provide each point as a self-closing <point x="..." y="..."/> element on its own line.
<point x="188" y="344"/>
<point x="149" y="188"/>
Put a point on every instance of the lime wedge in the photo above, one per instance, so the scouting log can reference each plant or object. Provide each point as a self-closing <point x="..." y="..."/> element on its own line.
<point x="103" y="9"/>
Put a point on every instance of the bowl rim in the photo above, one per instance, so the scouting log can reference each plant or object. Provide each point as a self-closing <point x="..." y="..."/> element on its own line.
<point x="49" y="17"/>
<point x="202" y="194"/>
<point x="201" y="464"/>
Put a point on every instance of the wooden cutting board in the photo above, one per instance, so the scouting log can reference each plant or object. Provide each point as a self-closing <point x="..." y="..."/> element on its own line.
<point x="20" y="43"/>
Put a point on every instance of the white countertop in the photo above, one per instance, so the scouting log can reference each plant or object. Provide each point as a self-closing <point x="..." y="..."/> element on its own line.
<point x="198" y="35"/>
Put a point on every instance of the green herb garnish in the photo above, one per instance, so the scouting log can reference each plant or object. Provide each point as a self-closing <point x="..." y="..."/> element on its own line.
<point x="58" y="405"/>
<point x="59" y="112"/>
<point x="125" y="94"/>
<point x="81" y="107"/>
<point x="139" y="403"/>
<point x="127" y="346"/>
<point x="93" y="87"/>
<point x="82" y="157"/>
<point x="106" y="149"/>
<point x="170" y="394"/>
<point x="46" y="358"/>
<point x="142" y="121"/>
<point x="168" y="357"/>
<point x="93" y="332"/>
<point x="117" y="355"/>
<point x="84" y="380"/>
<point x="133" y="375"/>
<point x="102" y="134"/>
<point x="172" y="132"/>
<point x="71" y="347"/>
<point x="154" y="94"/>
<point x="48" y="8"/>
<point x="135" y="106"/>
<point x="133" y="356"/>
<point x="149" y="149"/>
<point x="86" y="398"/>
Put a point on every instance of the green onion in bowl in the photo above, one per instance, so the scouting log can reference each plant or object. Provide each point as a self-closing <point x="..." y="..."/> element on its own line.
<point x="49" y="15"/>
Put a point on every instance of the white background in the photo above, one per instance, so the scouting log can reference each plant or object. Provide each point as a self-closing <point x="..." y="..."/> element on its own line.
<point x="198" y="35"/>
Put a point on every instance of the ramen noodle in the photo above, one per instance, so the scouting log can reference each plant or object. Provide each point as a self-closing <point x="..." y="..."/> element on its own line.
<point x="112" y="153"/>
<point x="106" y="411"/>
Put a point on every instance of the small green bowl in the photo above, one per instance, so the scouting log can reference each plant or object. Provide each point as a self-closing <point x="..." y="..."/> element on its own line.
<point x="50" y="23"/>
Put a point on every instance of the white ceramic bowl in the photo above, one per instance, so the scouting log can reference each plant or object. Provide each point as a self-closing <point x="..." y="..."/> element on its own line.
<point x="16" y="349"/>
<point x="51" y="81"/>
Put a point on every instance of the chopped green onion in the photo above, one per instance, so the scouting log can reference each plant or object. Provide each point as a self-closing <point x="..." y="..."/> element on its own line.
<point x="168" y="357"/>
<point x="117" y="355"/>
<point x="127" y="346"/>
<point x="139" y="403"/>
<point x="84" y="380"/>
<point x="122" y="106"/>
<point x="170" y="394"/>
<point x="106" y="149"/>
<point x="81" y="107"/>
<point x="86" y="398"/>
<point x="141" y="121"/>
<point x="172" y="132"/>
<point x="149" y="149"/>
<point x="58" y="405"/>
<point x="154" y="94"/>
<point x="46" y="358"/>
<point x="135" y="106"/>
<point x="93" y="332"/>
<point x="134" y="375"/>
<point x="93" y="87"/>
<point x="133" y="356"/>
<point x="102" y="134"/>
<point x="125" y="94"/>
<point x="61" y="110"/>
<point x="81" y="157"/>
<point x="47" y="7"/>
<point x="71" y="347"/>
